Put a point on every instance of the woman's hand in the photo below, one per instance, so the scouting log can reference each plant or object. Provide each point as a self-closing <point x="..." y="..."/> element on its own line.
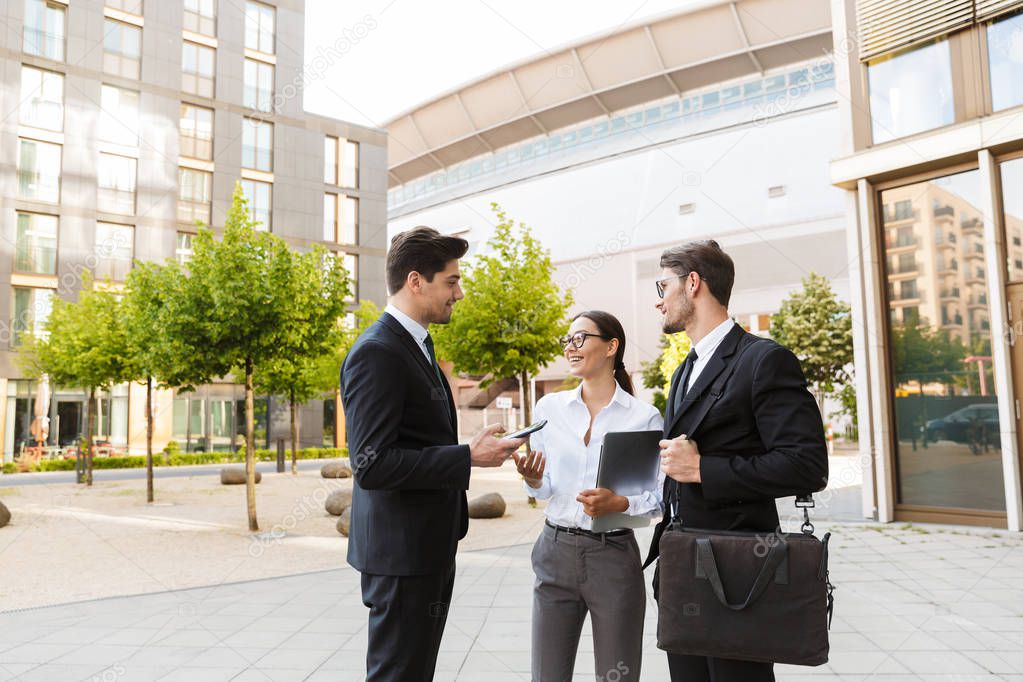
<point x="531" y="468"/>
<point x="601" y="501"/>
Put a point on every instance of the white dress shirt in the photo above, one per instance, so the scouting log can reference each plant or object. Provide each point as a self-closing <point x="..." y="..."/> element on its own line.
<point x="572" y="465"/>
<point x="705" y="349"/>
<point x="418" y="331"/>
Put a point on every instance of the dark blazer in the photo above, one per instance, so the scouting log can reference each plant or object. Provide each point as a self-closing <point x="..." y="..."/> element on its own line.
<point x="763" y="438"/>
<point x="408" y="503"/>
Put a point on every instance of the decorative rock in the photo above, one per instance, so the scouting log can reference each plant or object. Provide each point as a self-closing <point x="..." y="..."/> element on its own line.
<point x="5" y="515"/>
<point x="343" y="521"/>
<point x="236" y="476"/>
<point x="338" y="501"/>
<point x="339" y="468"/>
<point x="489" y="506"/>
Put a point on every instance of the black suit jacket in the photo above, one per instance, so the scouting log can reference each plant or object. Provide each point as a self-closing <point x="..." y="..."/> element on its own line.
<point x="408" y="503"/>
<point x="763" y="438"/>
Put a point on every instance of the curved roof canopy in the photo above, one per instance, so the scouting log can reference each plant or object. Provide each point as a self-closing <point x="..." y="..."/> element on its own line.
<point x="661" y="56"/>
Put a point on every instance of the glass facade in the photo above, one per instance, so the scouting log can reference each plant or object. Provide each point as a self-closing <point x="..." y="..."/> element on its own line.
<point x="1012" y="206"/>
<point x="122" y="49"/>
<point x="198" y="69"/>
<point x="30" y="308"/>
<point x="259" y="27"/>
<point x="1005" y="57"/>
<point x="330" y="217"/>
<point x="911" y="91"/>
<point x="119" y="116"/>
<point x="42" y="99"/>
<point x="349" y="220"/>
<point x="201" y="17"/>
<point x="196" y="127"/>
<point x="330" y="156"/>
<point x="257" y="144"/>
<point x="349" y="164"/>
<point x="258" y="88"/>
<point x="114" y="248"/>
<point x="260" y="199"/>
<point x="36" y="248"/>
<point x="183" y="247"/>
<point x="195" y="201"/>
<point x="116" y="178"/>
<point x="45" y="29"/>
<point x="948" y="447"/>
<point x="39" y="171"/>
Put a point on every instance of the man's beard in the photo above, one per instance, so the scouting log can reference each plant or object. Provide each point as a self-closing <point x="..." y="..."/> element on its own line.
<point x="684" y="318"/>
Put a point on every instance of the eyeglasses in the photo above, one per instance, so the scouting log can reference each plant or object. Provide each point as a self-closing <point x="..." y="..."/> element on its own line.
<point x="661" y="282"/>
<point x="579" y="338"/>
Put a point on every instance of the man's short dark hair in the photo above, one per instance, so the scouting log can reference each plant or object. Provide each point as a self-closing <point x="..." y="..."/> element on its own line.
<point x="423" y="250"/>
<point x="705" y="258"/>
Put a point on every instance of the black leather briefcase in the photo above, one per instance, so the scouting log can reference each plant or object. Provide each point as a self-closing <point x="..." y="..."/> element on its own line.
<point x="745" y="596"/>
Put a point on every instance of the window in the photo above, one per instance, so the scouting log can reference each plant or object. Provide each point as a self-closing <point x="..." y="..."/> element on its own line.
<point x="119" y="116"/>
<point x="36" y="249"/>
<point x="1005" y="56"/>
<point x="122" y="49"/>
<point x="129" y="6"/>
<point x="116" y="179"/>
<point x="259" y="27"/>
<point x="257" y="92"/>
<point x="330" y="154"/>
<point x="257" y="144"/>
<point x="939" y="354"/>
<point x="330" y="217"/>
<point x="39" y="171"/>
<point x="351" y="262"/>
<point x="198" y="64"/>
<point x="349" y="219"/>
<point x="31" y="308"/>
<point x="349" y="164"/>
<point x="183" y="249"/>
<point x="910" y="91"/>
<point x="114" y="249"/>
<point x="196" y="132"/>
<point x="259" y="195"/>
<point x="195" y="196"/>
<point x="42" y="99"/>
<point x="201" y="17"/>
<point x="44" y="29"/>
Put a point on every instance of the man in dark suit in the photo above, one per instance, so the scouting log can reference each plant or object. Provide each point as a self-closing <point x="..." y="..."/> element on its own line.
<point x="763" y="438"/>
<point x="408" y="504"/>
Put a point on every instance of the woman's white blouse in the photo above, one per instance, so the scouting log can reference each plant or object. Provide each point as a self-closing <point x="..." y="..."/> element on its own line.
<point x="572" y="465"/>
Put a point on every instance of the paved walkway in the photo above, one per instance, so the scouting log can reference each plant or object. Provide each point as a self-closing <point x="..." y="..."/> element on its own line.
<point x="913" y="603"/>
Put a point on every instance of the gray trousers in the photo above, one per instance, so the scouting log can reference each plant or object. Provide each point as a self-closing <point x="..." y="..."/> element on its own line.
<point x="575" y="575"/>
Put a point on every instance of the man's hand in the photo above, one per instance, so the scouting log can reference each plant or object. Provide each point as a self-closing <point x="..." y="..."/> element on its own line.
<point x="599" y="501"/>
<point x="487" y="451"/>
<point x="531" y="468"/>
<point x="680" y="459"/>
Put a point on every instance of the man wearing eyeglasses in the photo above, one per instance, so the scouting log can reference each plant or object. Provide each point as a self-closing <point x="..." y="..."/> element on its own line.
<point x="762" y="439"/>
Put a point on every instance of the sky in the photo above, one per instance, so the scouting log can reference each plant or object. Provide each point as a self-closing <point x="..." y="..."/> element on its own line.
<point x="369" y="60"/>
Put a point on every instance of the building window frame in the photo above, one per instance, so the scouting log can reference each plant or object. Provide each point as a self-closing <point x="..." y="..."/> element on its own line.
<point x="257" y="36"/>
<point x="31" y="257"/>
<point x="257" y="144"/>
<point x="31" y="104"/>
<point x="197" y="81"/>
<point x="44" y="41"/>
<point x="197" y="20"/>
<point x="192" y="142"/>
<point x="120" y="58"/>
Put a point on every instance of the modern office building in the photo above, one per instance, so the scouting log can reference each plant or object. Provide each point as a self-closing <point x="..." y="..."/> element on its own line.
<point x="718" y="120"/>
<point x="127" y="121"/>
<point x="931" y="162"/>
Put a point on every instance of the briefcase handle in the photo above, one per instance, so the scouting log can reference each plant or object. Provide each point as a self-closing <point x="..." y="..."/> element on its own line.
<point x="775" y="568"/>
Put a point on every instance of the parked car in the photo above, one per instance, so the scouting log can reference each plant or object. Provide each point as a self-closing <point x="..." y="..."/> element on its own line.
<point x="975" y="424"/>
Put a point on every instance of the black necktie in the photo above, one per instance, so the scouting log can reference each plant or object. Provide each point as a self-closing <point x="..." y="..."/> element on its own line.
<point x="428" y="342"/>
<point x="683" y="384"/>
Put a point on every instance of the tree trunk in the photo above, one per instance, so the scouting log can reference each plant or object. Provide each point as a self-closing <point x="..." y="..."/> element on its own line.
<point x="294" y="435"/>
<point x="527" y="416"/>
<point x="90" y="427"/>
<point x="250" y="449"/>
<point x="149" y="439"/>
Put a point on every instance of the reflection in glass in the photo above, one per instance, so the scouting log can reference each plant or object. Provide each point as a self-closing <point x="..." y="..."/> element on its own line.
<point x="1012" y="202"/>
<point x="948" y="448"/>
<point x="910" y="91"/>
<point x="1005" y="55"/>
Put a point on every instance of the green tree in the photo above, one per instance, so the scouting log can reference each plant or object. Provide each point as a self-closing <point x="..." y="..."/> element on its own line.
<point x="657" y="373"/>
<point x="84" y="344"/>
<point x="230" y="313"/>
<point x="817" y="327"/>
<point x="319" y="285"/>
<point x="143" y="311"/>
<point x="513" y="312"/>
